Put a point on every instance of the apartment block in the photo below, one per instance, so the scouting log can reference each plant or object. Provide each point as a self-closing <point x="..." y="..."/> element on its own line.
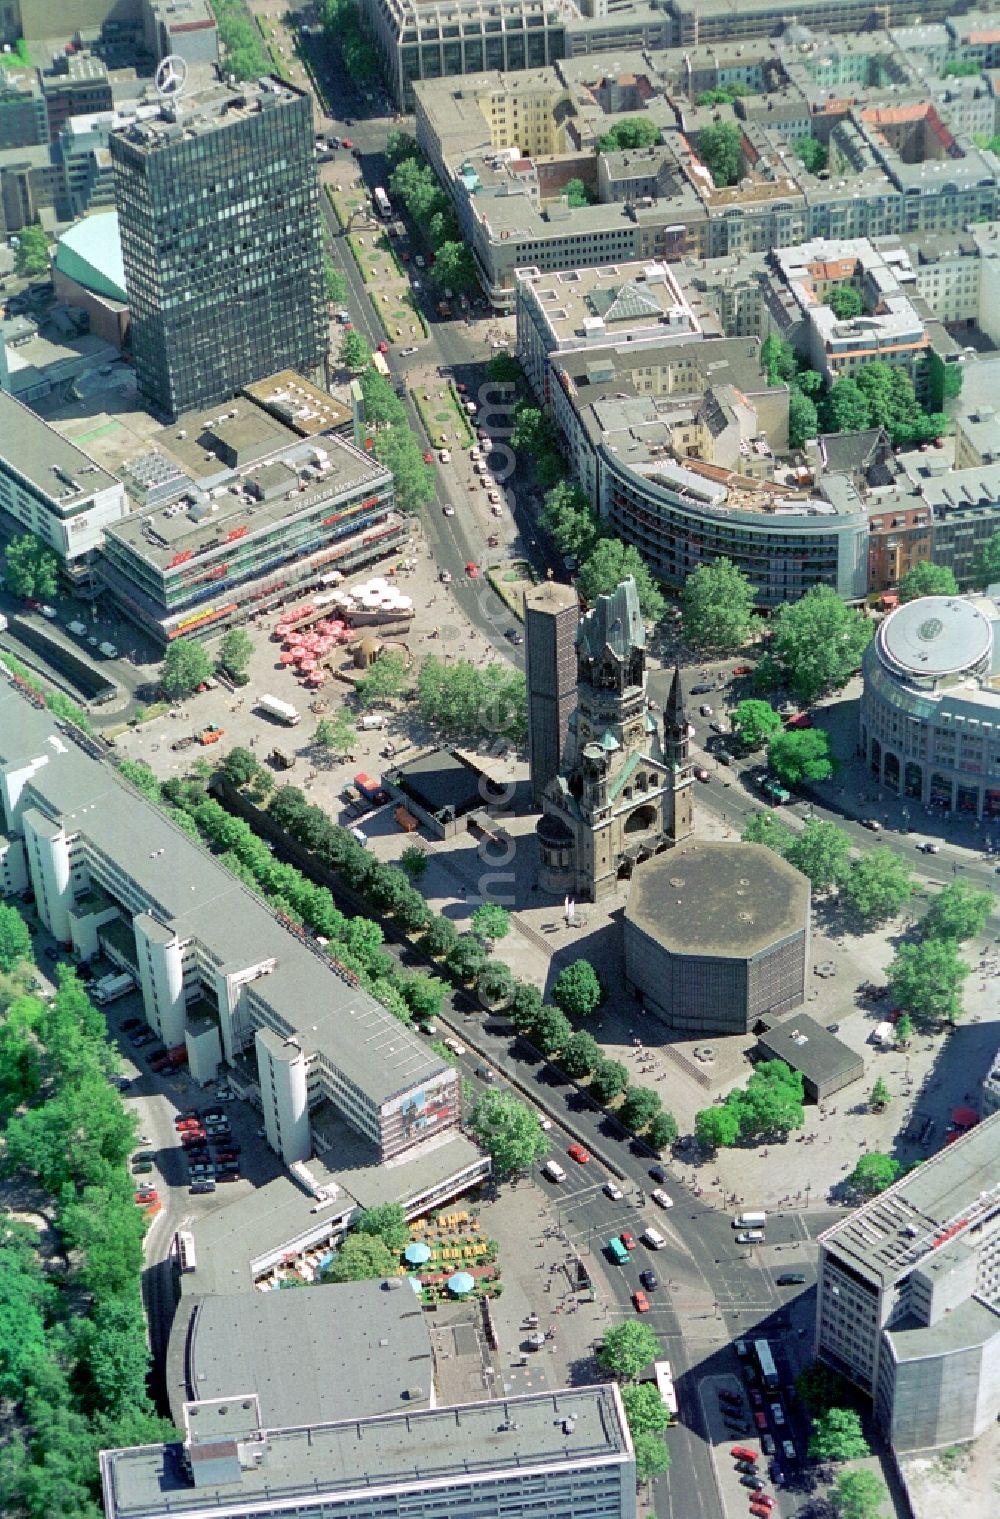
<point x="23" y="121"/>
<point x="52" y="488"/>
<point x="909" y="1296"/>
<point x="255" y="504"/>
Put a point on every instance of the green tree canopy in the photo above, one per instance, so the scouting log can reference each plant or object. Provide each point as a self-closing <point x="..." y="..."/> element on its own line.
<point x="819" y="1388"/>
<point x="810" y="153"/>
<point x="772" y="1103"/>
<point x="235" y="651"/>
<point x="525" y="1006"/>
<point x="568" y="516"/>
<point x="491" y="922"/>
<point x="778" y="360"/>
<point x="577" y="990"/>
<point x="414" y="861"/>
<point x="463" y="699"/>
<point x="765" y="827"/>
<point x="988" y="564"/>
<point x="32" y="254"/>
<point x="755" y="723"/>
<point x="454" y="268"/>
<point x="639" y="1108"/>
<point x="384" y="680"/>
<point x="873" y="1173"/>
<point x="652" y="1457"/>
<point x="819" y="641"/>
<point x="30" y="569"/>
<point x="338" y="733"/>
<point x="551" y="1030"/>
<point x="926" y="979"/>
<point x="362" y="1257"/>
<point x="803" y="419"/>
<point x="400" y="145"/>
<point x="904" y="1030"/>
<point x="495" y="984"/>
<point x="837" y="1436"/>
<point x="608" y="1079"/>
<point x="15" y="940"/>
<point x="801" y="754"/>
<point x="334" y="283"/>
<point x="508" y="1130"/>
<point x="628" y="1349"/>
<point x="846" y="408"/>
<point x="355" y="351"/>
<point x="716" y="1128"/>
<point x="720" y="148"/>
<point x="240" y="767"/>
<point x="662" y="1130"/>
<point x="424" y="994"/>
<point x="717" y="608"/>
<point x="644" y="1408"/>
<point x="859" y="1495"/>
<point x="387" y="1222"/>
<point x="631" y="132"/>
<point x="505" y="369"/>
<point x="581" y="1055"/>
<point x="879" y="1098"/>
<point x="610" y="562"/>
<point x="821" y="851"/>
<point x="186" y="667"/>
<point x="578" y="194"/>
<point x="845" y="302"/>
<point x="926" y="579"/>
<point x="877" y="885"/>
<point x="958" y="912"/>
<point x="383" y="408"/>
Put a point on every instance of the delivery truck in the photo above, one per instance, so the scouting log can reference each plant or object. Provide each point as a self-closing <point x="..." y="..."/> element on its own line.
<point x="110" y="988"/>
<point x="749" y="1220"/>
<point x="883" y="1035"/>
<point x="281" y="711"/>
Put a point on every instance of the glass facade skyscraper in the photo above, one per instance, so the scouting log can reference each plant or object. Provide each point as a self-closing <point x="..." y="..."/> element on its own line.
<point x="218" y="206"/>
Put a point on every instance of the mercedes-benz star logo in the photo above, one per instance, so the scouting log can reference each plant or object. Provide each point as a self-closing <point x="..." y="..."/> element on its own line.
<point x="171" y="76"/>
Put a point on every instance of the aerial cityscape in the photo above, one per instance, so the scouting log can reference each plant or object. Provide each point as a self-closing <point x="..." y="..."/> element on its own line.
<point x="499" y="759"/>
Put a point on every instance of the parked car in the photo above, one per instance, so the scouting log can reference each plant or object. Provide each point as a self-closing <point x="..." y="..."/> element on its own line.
<point x="144" y="1155"/>
<point x="152" y="1196"/>
<point x="791" y="1279"/>
<point x="754" y="1482"/>
<point x="203" y="1184"/>
<point x="756" y="1398"/>
<point x="657" y="1173"/>
<point x="744" y="1453"/>
<point x="141" y="1167"/>
<point x="127" y="1023"/>
<point x="725" y="1396"/>
<point x="760" y="1419"/>
<point x="628" y="1239"/>
<point x="227" y="1176"/>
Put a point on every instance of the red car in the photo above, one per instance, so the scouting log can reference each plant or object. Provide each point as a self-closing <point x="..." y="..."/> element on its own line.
<point x="193" y="1137"/>
<point x="472" y="570"/>
<point x="627" y="1239"/>
<point x="743" y="670"/>
<point x="758" y="1509"/>
<point x="578" y="1153"/>
<point x="744" y="1453"/>
<point x="460" y="387"/>
<point x="428" y="457"/>
<point x="764" y="1499"/>
<point x="640" y="1301"/>
<point x="345" y="142"/>
<point x="760" y="1419"/>
<point x="383" y="347"/>
<point x="147" y="1197"/>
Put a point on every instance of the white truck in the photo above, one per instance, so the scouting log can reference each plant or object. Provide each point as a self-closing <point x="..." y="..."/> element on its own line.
<point x="883" y="1035"/>
<point x="750" y="1221"/>
<point x="110" y="988"/>
<point x="282" y="711"/>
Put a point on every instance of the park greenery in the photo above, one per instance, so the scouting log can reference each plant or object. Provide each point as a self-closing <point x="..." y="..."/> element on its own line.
<point x="627" y="1350"/>
<point x="413" y="182"/>
<point x="336" y="735"/>
<point x="334" y="283"/>
<point x="720" y="148"/>
<point x="608" y="564"/>
<point x="877" y="885"/>
<point x="383" y="681"/>
<point x="398" y="449"/>
<point x="73" y="1352"/>
<point x="926" y="579"/>
<point x="873" y="1173"/>
<point x="30" y="569"/>
<point x="818" y="642"/>
<point x="755" y="723"/>
<point x="837" y="1436"/>
<point x="508" y="1131"/>
<point x="602" y="561"/>
<point x="768" y="1108"/>
<point x="845" y="302"/>
<point x="464" y="700"/>
<point x="801" y="754"/>
<point x="32" y="253"/>
<point x="490" y="922"/>
<point x="717" y="608"/>
<point x="630" y="132"/>
<point x="723" y="94"/>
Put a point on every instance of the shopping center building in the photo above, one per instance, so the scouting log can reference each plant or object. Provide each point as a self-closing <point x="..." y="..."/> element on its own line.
<point x="930" y="711"/>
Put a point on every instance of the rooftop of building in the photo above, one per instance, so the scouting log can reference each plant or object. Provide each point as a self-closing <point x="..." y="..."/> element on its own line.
<point x="954" y="1191"/>
<point x="95" y="241"/>
<point x="277" y="473"/>
<point x="445" y="1448"/>
<point x="210" y="106"/>
<point x="981" y="430"/>
<point x="806" y="1046"/>
<point x="586" y="306"/>
<point x="935" y="637"/>
<point x="442" y="779"/>
<point x="723" y="900"/>
<point x="49" y="462"/>
<point x="279" y="1346"/>
<point x="551" y="596"/>
<point x="73" y="68"/>
<point x="189" y="890"/>
<point x="298" y="403"/>
<point x="968" y="1326"/>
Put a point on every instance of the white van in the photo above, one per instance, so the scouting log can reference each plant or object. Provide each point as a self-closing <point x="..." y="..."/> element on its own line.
<point x="553" y="1171"/>
<point x="663" y="1198"/>
<point x="750" y="1221"/>
<point x="653" y="1238"/>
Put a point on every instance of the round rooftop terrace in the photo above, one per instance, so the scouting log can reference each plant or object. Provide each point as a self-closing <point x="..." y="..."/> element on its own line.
<point x="935" y="637"/>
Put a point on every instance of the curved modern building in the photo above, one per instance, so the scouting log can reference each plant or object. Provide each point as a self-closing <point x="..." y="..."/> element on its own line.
<point x="930" y="712"/>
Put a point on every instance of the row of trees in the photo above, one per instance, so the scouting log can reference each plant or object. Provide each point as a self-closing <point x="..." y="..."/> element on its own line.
<point x="241" y="40"/>
<point x="463" y="699"/>
<point x="926" y="977"/>
<point x="602" y="561"/>
<point x="412" y="182"/>
<point x="794" y="754"/>
<point x="342" y="25"/>
<point x="875" y="885"/>
<point x="626" y="1351"/>
<point x="188" y="664"/>
<point x="395" y="444"/>
<point x="73" y="1351"/>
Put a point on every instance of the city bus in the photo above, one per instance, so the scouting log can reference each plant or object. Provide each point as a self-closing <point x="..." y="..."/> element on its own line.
<point x="383" y="205"/>
<point x="186" y="1259"/>
<point x="665" y="1387"/>
<point x="765" y="1364"/>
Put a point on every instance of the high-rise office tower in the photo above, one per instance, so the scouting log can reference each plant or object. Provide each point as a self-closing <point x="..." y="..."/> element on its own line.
<point x="551" y="613"/>
<point x="218" y="206"/>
